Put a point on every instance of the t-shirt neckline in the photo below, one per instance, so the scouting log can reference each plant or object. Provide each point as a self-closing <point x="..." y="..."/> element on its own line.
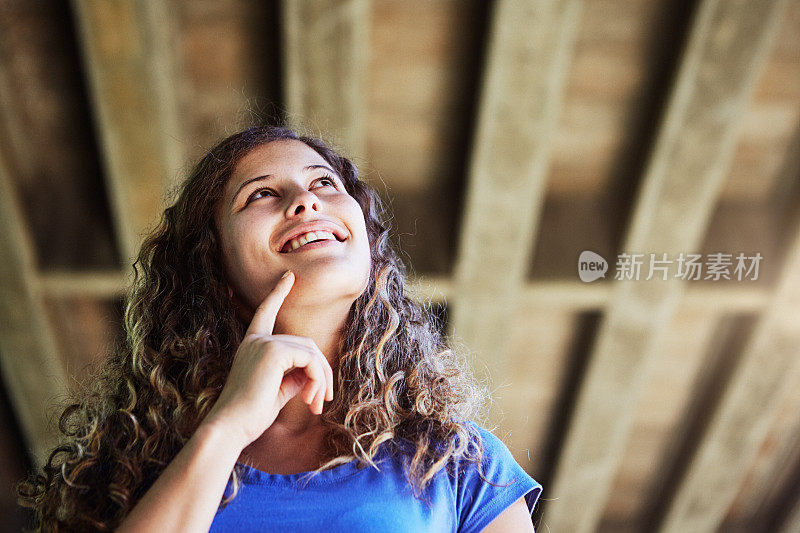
<point x="254" y="476"/>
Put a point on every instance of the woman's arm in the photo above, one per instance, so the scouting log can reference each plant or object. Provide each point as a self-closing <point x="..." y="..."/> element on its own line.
<point x="186" y="495"/>
<point x="514" y="519"/>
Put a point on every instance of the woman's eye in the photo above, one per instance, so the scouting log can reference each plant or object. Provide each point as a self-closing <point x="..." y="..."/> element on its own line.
<point x="256" y="195"/>
<point x="327" y="179"/>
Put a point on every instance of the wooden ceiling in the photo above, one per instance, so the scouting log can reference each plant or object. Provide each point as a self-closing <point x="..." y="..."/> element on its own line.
<point x="508" y="137"/>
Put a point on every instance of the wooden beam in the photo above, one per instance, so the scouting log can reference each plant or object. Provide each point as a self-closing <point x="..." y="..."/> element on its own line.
<point x="126" y="51"/>
<point x="101" y="284"/>
<point x="528" y="57"/>
<point x="769" y="366"/>
<point x="726" y="50"/>
<point x="31" y="370"/>
<point x="325" y="61"/>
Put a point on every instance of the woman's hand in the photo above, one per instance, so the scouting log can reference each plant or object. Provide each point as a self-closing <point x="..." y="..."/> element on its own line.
<point x="269" y="370"/>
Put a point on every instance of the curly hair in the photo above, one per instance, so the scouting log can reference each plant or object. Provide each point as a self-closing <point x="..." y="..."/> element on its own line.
<point x="399" y="380"/>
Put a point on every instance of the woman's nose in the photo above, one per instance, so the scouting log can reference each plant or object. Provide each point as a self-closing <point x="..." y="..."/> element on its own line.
<point x="302" y="201"/>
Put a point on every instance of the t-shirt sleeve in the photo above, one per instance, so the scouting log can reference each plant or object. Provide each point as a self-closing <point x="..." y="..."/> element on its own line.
<point x="478" y="502"/>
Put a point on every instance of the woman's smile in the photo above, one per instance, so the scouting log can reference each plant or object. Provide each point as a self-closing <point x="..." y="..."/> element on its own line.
<point x="318" y="229"/>
<point x="314" y="245"/>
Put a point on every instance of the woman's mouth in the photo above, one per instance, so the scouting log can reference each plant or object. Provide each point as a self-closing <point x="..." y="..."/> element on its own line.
<point x="310" y="238"/>
<point x="314" y="245"/>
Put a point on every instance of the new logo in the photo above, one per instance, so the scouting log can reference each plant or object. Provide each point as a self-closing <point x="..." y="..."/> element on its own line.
<point x="591" y="266"/>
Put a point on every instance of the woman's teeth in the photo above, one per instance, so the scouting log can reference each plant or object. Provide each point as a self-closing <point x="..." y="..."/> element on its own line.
<point x="311" y="236"/>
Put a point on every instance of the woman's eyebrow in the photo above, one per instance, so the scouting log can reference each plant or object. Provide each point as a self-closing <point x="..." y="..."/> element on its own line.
<point x="267" y="176"/>
<point x="325" y="167"/>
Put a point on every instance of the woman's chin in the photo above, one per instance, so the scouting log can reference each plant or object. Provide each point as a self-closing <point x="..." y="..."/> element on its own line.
<point x="314" y="284"/>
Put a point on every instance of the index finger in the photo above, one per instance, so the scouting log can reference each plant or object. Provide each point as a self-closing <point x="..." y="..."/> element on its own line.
<point x="264" y="318"/>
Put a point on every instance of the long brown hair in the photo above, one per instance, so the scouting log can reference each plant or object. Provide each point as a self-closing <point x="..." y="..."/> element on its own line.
<point x="398" y="379"/>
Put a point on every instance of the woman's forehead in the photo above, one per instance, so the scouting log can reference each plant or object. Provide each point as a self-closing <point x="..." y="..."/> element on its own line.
<point x="274" y="157"/>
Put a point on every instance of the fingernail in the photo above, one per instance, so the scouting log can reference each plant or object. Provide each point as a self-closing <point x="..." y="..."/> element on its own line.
<point x="286" y="274"/>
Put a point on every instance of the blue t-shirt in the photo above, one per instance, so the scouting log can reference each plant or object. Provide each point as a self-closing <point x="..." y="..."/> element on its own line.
<point x="352" y="499"/>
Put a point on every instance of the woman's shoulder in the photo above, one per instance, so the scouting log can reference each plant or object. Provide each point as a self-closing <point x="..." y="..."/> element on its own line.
<point x="485" y="490"/>
<point x="494" y="448"/>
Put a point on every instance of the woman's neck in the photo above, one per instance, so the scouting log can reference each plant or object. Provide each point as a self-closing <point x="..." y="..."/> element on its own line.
<point x="280" y="451"/>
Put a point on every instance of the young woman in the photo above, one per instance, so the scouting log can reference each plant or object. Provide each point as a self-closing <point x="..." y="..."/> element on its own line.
<point x="274" y="375"/>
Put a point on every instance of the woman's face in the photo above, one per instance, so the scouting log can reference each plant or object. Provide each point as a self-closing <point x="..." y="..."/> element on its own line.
<point x="276" y="191"/>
